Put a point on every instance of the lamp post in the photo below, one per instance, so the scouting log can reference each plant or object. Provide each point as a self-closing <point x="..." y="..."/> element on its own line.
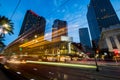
<point x="3" y="30"/>
<point x="97" y="67"/>
<point x="95" y="48"/>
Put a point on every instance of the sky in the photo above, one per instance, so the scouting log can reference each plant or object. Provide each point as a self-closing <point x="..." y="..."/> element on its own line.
<point x="72" y="11"/>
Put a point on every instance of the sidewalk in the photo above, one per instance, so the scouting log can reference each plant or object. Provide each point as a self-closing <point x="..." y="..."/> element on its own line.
<point x="7" y="74"/>
<point x="101" y="63"/>
<point x="3" y="76"/>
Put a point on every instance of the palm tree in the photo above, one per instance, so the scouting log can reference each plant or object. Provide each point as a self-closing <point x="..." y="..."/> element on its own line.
<point x="2" y="45"/>
<point x="6" y="26"/>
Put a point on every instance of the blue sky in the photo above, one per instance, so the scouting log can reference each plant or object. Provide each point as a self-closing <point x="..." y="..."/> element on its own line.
<point x="72" y="11"/>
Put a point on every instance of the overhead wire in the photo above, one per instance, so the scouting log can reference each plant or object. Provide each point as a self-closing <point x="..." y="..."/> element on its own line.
<point x="64" y="5"/>
<point x="51" y="13"/>
<point x="15" y="9"/>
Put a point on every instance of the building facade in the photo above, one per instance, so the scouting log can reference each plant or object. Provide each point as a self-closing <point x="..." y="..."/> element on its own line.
<point x="59" y="28"/>
<point x="100" y="15"/>
<point x="60" y="35"/>
<point x="33" y="26"/>
<point x="110" y="39"/>
<point x="34" y="22"/>
<point x="84" y="37"/>
<point x="31" y="42"/>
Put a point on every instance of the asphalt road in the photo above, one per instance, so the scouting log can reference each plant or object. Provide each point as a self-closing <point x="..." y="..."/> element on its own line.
<point x="50" y="72"/>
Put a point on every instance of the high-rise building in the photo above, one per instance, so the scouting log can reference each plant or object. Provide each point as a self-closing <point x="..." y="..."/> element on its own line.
<point x="33" y="23"/>
<point x="84" y="37"/>
<point x="59" y="28"/>
<point x="101" y="14"/>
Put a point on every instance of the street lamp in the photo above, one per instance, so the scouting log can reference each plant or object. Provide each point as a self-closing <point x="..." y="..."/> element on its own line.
<point x="35" y="36"/>
<point x="2" y="29"/>
<point x="5" y="32"/>
<point x="5" y="25"/>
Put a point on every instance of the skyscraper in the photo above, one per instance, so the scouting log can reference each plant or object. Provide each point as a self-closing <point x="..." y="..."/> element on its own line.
<point x="59" y="28"/>
<point x="33" y="23"/>
<point x="84" y="37"/>
<point x="100" y="15"/>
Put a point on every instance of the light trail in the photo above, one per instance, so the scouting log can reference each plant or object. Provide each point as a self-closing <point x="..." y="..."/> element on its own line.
<point x="62" y="64"/>
<point x="40" y="40"/>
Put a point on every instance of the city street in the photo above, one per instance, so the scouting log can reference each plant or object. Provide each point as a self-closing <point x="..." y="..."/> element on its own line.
<point x="60" y="40"/>
<point x="35" y="70"/>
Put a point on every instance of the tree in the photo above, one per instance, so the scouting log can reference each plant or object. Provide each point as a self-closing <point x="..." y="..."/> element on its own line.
<point x="6" y="26"/>
<point x="2" y="44"/>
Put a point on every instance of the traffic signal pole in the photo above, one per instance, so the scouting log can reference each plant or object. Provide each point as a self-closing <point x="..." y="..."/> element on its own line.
<point x="95" y="48"/>
<point x="97" y="67"/>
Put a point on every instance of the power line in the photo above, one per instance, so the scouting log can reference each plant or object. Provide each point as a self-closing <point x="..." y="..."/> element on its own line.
<point x="74" y="19"/>
<point x="15" y="9"/>
<point x="63" y="4"/>
<point x="59" y="7"/>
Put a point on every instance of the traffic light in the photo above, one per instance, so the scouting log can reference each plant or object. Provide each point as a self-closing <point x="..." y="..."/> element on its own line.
<point x="97" y="51"/>
<point x="116" y="52"/>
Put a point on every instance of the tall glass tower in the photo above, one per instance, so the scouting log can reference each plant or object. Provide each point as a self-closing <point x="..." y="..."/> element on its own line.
<point x="84" y="37"/>
<point x="33" y="22"/>
<point x="101" y="14"/>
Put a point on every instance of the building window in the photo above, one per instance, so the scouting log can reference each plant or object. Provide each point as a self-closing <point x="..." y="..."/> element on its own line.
<point x="97" y="17"/>
<point x="118" y="37"/>
<point x="113" y="43"/>
<point x="103" y="10"/>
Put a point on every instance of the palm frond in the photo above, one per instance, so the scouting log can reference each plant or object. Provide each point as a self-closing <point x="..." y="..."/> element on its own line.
<point x="9" y="28"/>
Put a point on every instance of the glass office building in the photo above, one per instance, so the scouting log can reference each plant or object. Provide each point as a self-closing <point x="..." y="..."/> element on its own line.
<point x="84" y="37"/>
<point x="101" y="14"/>
<point x="33" y="22"/>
